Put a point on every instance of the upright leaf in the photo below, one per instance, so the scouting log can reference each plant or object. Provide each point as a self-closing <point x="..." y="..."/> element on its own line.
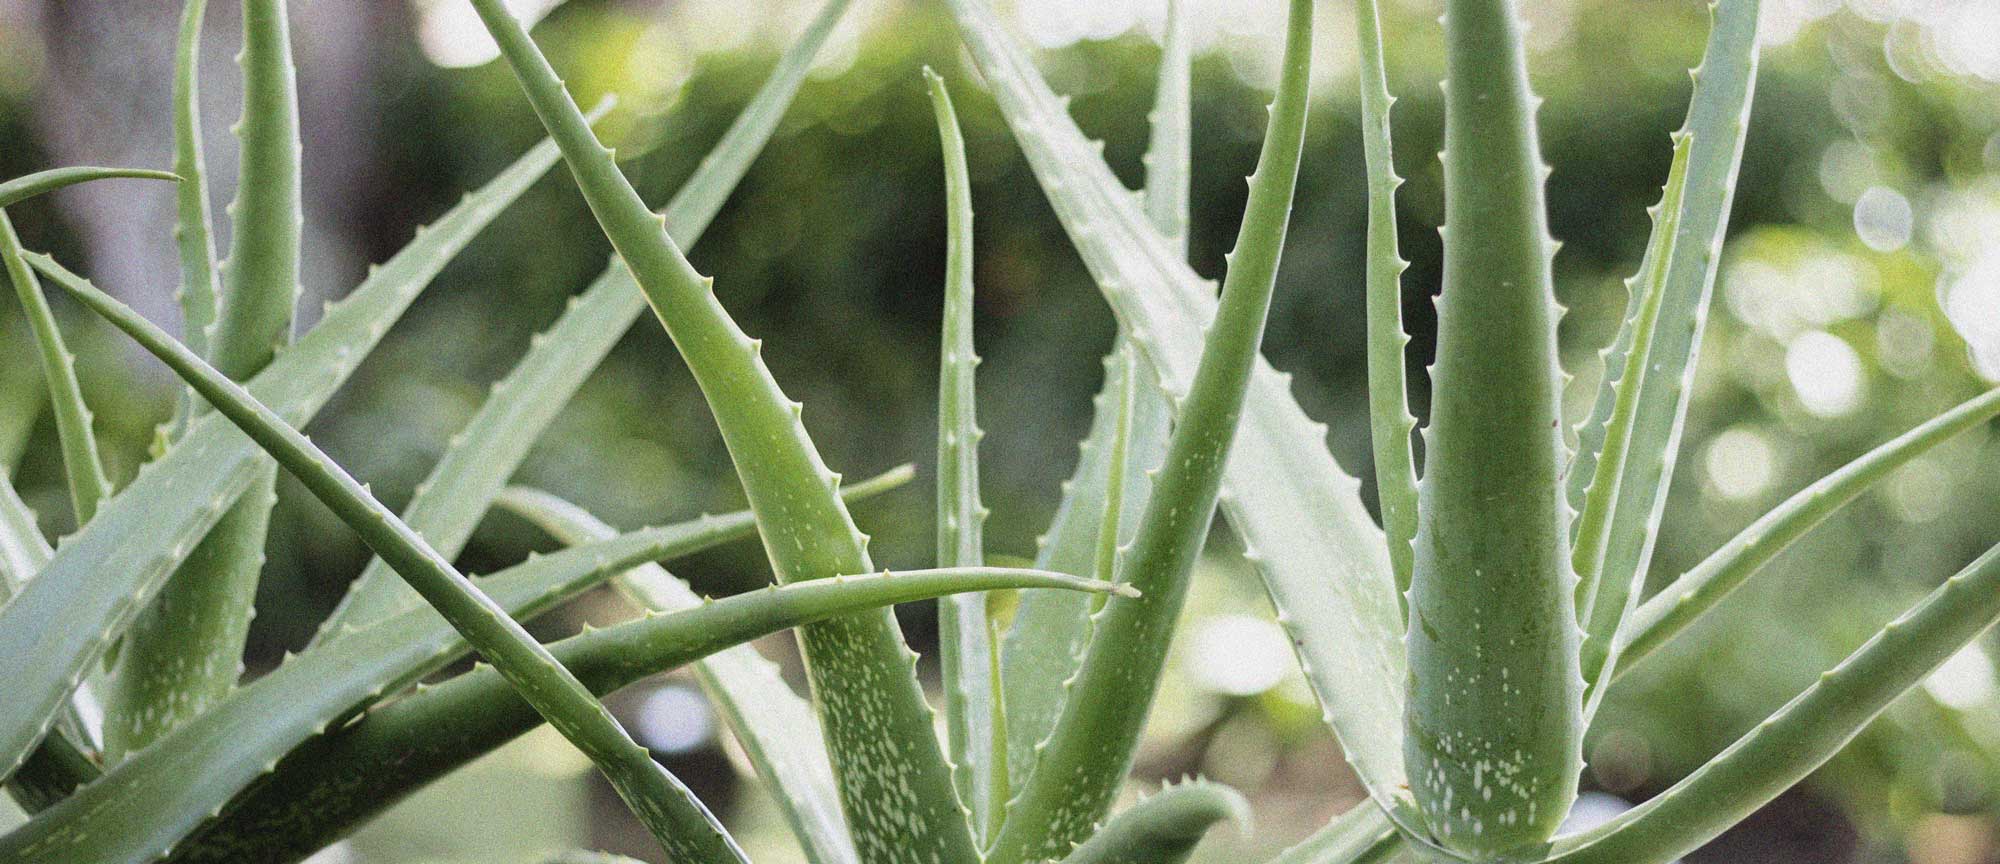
<point x="1042" y="649"/>
<point x="194" y="222"/>
<point x="1165" y="828"/>
<point x="1315" y="546"/>
<point x="1388" y="390"/>
<point x="1169" y="152"/>
<point x="964" y="653"/>
<point x="896" y="784"/>
<point x="1594" y="525"/>
<point x="1494" y="737"/>
<point x="682" y="825"/>
<point x="82" y="467"/>
<point x="97" y="579"/>
<point x="1717" y="118"/>
<point x="480" y="458"/>
<point x="1805" y="733"/>
<point x="1086" y="758"/>
<point x="185" y="651"/>
<point x="775" y="728"/>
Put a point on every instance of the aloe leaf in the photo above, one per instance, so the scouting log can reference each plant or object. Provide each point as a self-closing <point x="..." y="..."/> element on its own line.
<point x="1086" y="758"/>
<point x="1803" y="734"/>
<point x="676" y="819"/>
<point x="1717" y="118"/>
<point x="27" y="395"/>
<point x="1389" y="417"/>
<point x="1165" y="828"/>
<point x="1494" y="741"/>
<point x="194" y="223"/>
<point x="965" y="654"/>
<point x="22" y="188"/>
<point x="1317" y="549"/>
<point x="480" y="458"/>
<point x="1169" y="151"/>
<point x="82" y="467"/>
<point x="775" y="727"/>
<point x="23" y="549"/>
<point x="1669" y="612"/>
<point x="896" y="784"/>
<point x="185" y="651"/>
<point x="59" y="768"/>
<point x="1593" y="526"/>
<point x="1362" y="835"/>
<point x="585" y="856"/>
<point x="235" y="743"/>
<point x="99" y="578"/>
<point x="1045" y="644"/>
<point x="355" y="772"/>
<point x="261" y="276"/>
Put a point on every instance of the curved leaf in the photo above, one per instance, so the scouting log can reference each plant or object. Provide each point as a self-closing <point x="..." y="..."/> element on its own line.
<point x="100" y="577"/>
<point x="480" y="458"/>
<point x="681" y="824"/>
<point x="1165" y="828"/>
<point x="22" y="188"/>
<point x="1362" y="835"/>
<point x="1805" y="733"/>
<point x="337" y="781"/>
<point x="82" y="467"/>
<point x="1670" y="611"/>
<point x="146" y="804"/>
<point x="896" y="784"/>
<point x="775" y="728"/>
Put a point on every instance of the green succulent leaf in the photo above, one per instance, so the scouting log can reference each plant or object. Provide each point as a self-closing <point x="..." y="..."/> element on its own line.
<point x="194" y="223"/>
<point x="22" y="188"/>
<point x="353" y="773"/>
<point x="1594" y="524"/>
<point x="1803" y="734"/>
<point x="896" y="784"/>
<point x="964" y="652"/>
<point x="1045" y="645"/>
<point x="676" y="819"/>
<point x="150" y="801"/>
<point x="82" y="467"/>
<point x="1164" y="828"/>
<point x="1042" y="649"/>
<point x="776" y="728"/>
<point x="1169" y="152"/>
<point x="1362" y="835"/>
<point x="1086" y="758"/>
<point x="58" y="768"/>
<point x="1717" y="118"/>
<point x="480" y="458"/>
<point x="1315" y="546"/>
<point x="1389" y="417"/>
<point x="99" y="578"/>
<point x="1494" y="735"/>
<point x="1668" y="613"/>
<point x="185" y="650"/>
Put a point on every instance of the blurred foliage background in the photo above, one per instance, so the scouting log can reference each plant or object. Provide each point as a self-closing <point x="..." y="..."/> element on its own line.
<point x="1859" y="294"/>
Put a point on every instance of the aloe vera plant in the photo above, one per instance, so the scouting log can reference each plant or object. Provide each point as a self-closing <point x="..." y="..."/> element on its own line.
<point x="1460" y="650"/>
